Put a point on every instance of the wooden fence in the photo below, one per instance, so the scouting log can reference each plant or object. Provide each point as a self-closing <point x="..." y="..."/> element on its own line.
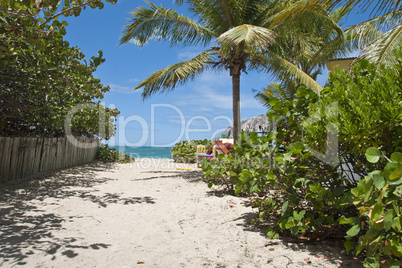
<point x="22" y="157"/>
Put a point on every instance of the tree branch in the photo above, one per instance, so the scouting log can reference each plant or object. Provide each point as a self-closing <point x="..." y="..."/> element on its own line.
<point x="67" y="10"/>
<point x="17" y="14"/>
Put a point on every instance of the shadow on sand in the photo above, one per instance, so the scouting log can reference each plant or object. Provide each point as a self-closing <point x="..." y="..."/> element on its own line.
<point x="25" y="227"/>
<point x="332" y="251"/>
<point x="187" y="175"/>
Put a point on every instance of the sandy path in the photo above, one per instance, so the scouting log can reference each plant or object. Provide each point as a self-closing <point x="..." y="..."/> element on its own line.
<point x="146" y="214"/>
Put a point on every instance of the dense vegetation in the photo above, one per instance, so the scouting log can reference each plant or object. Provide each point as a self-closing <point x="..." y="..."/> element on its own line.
<point x="108" y="154"/>
<point x="42" y="77"/>
<point x="185" y="151"/>
<point x="340" y="174"/>
<point x="315" y="188"/>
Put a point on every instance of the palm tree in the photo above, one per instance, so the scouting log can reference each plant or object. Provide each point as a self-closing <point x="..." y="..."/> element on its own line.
<point x="380" y="6"/>
<point x="379" y="37"/>
<point x="309" y="50"/>
<point x="283" y="91"/>
<point x="243" y="34"/>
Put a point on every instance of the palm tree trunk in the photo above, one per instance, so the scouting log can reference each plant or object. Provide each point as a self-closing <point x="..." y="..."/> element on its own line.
<point x="236" y="105"/>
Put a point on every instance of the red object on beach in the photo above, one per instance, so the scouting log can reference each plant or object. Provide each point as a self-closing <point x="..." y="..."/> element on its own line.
<point x="223" y="147"/>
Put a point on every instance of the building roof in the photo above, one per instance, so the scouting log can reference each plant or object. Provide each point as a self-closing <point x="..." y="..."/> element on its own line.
<point x="258" y="123"/>
<point x="348" y="58"/>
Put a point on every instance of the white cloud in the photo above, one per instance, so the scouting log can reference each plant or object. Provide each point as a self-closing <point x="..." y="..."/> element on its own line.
<point x="121" y="89"/>
<point x="215" y="79"/>
<point x="186" y="55"/>
<point x="213" y="91"/>
<point x="133" y="80"/>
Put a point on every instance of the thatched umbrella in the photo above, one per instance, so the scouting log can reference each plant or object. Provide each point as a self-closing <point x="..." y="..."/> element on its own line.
<point x="258" y="124"/>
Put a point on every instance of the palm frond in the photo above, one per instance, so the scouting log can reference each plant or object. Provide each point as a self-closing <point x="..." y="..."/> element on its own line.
<point x="263" y="97"/>
<point x="164" y="24"/>
<point x="382" y="50"/>
<point x="178" y="2"/>
<point x="290" y="69"/>
<point x="252" y="37"/>
<point x="281" y="68"/>
<point x="272" y="90"/>
<point x="377" y="6"/>
<point x="293" y="12"/>
<point x="254" y="11"/>
<point x="360" y="38"/>
<point x="314" y="30"/>
<point x="364" y="33"/>
<point x="217" y="15"/>
<point x="335" y="48"/>
<point x="176" y="74"/>
<point x="339" y="13"/>
<point x="277" y="90"/>
<point x="222" y="15"/>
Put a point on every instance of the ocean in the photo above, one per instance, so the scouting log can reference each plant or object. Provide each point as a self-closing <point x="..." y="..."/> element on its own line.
<point x="147" y="152"/>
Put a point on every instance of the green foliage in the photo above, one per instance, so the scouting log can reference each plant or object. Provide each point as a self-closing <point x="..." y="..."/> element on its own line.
<point x="243" y="168"/>
<point x="224" y="135"/>
<point x="42" y="77"/>
<point x="296" y="193"/>
<point x="109" y="154"/>
<point x="305" y="193"/>
<point x="48" y="10"/>
<point x="260" y="167"/>
<point x="377" y="227"/>
<point x="369" y="107"/>
<point x="184" y="151"/>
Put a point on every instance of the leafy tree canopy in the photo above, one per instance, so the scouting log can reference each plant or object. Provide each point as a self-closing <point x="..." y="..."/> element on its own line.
<point x="42" y="77"/>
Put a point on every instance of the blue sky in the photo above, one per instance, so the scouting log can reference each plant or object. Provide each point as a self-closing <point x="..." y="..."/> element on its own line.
<point x="200" y="109"/>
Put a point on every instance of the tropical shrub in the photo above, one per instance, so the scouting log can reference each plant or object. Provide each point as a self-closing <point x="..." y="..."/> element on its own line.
<point x="369" y="114"/>
<point x="125" y="158"/>
<point x="251" y="159"/>
<point x="260" y="168"/>
<point x="42" y="77"/>
<point x="313" y="188"/>
<point x="377" y="227"/>
<point x="184" y="151"/>
<point x="307" y="190"/>
<point x="110" y="154"/>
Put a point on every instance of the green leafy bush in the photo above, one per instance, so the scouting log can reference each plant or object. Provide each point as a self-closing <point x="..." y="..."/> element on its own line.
<point x="295" y="192"/>
<point x="184" y="151"/>
<point x="377" y="229"/>
<point x="369" y="108"/>
<point x="109" y="154"/>
<point x="231" y="170"/>
<point x="259" y="167"/>
<point x="42" y="76"/>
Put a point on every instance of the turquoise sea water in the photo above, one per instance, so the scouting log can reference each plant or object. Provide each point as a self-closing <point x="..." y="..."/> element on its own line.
<point x="147" y="152"/>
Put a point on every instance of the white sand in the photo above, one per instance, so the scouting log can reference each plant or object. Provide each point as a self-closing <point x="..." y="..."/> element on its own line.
<point x="145" y="214"/>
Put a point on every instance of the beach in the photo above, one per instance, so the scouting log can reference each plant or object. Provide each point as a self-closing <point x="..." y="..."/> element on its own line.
<point x="149" y="213"/>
